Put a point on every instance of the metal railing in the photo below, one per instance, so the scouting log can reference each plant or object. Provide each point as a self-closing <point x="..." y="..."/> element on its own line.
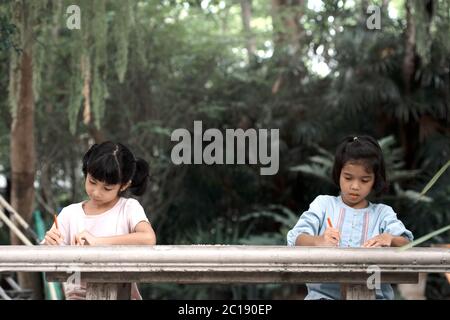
<point x="106" y="268"/>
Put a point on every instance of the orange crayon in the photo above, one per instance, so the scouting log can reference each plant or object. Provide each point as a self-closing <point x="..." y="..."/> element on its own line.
<point x="56" y="221"/>
<point x="329" y="222"/>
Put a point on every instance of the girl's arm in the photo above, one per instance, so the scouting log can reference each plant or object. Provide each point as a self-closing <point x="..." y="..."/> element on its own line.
<point x="331" y="237"/>
<point x="306" y="230"/>
<point x="399" y="241"/>
<point x="306" y="240"/>
<point x="143" y="234"/>
<point x="393" y="232"/>
<point x="386" y="240"/>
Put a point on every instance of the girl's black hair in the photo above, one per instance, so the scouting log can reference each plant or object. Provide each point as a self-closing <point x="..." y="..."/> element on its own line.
<point x="364" y="150"/>
<point x="113" y="163"/>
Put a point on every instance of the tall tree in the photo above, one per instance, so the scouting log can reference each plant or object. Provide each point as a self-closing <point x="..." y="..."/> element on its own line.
<point x="23" y="155"/>
<point x="286" y="17"/>
<point x="288" y="32"/>
<point x="246" y="13"/>
<point x="407" y="132"/>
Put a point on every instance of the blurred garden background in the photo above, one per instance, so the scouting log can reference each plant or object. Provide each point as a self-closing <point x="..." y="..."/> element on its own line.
<point x="137" y="70"/>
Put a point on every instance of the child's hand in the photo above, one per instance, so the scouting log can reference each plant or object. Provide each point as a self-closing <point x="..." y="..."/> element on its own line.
<point x="381" y="240"/>
<point x="84" y="238"/>
<point x="53" y="237"/>
<point x="330" y="237"/>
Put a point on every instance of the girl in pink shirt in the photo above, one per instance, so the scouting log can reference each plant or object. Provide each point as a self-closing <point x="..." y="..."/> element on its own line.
<point x="107" y="217"/>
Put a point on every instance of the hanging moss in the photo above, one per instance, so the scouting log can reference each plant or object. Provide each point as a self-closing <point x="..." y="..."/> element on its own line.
<point x="43" y="51"/>
<point x="78" y="47"/>
<point x="91" y="43"/>
<point x="121" y="30"/>
<point x="137" y="36"/>
<point x="39" y="54"/>
<point x="14" y="80"/>
<point x="14" y="72"/>
<point x="75" y="96"/>
<point x="99" y="90"/>
<point x="34" y="11"/>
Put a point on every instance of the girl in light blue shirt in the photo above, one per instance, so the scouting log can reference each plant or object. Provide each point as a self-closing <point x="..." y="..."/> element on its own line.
<point x="355" y="222"/>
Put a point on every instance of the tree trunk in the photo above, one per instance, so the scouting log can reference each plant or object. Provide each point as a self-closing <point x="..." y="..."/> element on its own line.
<point x="286" y="22"/>
<point x="408" y="131"/>
<point x="246" y="10"/>
<point x="410" y="47"/>
<point x="385" y="6"/>
<point x="286" y="15"/>
<point x="23" y="155"/>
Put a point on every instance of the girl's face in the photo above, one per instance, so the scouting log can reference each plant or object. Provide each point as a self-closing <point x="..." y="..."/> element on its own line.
<point x="99" y="192"/>
<point x="356" y="184"/>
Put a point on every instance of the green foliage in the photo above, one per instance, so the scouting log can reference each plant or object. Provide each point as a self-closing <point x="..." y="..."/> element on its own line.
<point x="7" y="31"/>
<point x="159" y="65"/>
<point x="435" y="178"/>
<point x="274" y="214"/>
<point x="99" y="66"/>
<point x="321" y="165"/>
<point x="121" y="29"/>
<point x="421" y="195"/>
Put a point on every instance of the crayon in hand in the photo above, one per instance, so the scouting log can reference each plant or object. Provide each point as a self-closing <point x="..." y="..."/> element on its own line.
<point x="329" y="222"/>
<point x="56" y="221"/>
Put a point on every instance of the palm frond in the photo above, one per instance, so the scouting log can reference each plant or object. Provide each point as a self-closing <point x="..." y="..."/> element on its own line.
<point x="424" y="238"/>
<point x="435" y="178"/>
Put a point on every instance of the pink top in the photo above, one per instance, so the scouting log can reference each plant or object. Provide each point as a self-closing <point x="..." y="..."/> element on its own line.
<point x="119" y="220"/>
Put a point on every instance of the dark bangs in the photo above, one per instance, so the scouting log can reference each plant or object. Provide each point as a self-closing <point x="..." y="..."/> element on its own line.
<point x="363" y="156"/>
<point x="105" y="169"/>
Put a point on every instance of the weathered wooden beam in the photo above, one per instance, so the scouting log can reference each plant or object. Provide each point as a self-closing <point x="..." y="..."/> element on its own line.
<point x="210" y="276"/>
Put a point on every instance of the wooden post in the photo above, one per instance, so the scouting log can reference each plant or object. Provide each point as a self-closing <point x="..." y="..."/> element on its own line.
<point x="356" y="291"/>
<point x="108" y="291"/>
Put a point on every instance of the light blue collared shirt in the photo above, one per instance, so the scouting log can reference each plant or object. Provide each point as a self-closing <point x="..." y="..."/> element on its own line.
<point x="356" y="226"/>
